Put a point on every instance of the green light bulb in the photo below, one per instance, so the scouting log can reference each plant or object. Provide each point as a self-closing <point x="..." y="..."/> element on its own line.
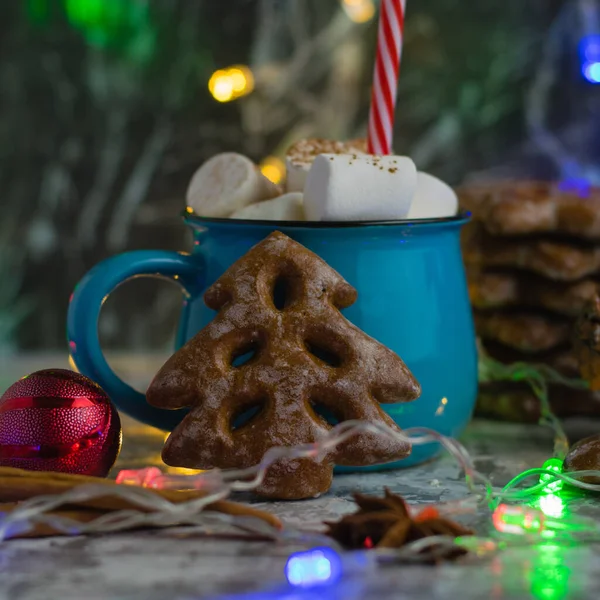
<point x="552" y="505"/>
<point x="555" y="465"/>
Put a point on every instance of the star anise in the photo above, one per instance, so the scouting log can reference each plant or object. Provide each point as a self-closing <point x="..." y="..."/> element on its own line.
<point x="387" y="523"/>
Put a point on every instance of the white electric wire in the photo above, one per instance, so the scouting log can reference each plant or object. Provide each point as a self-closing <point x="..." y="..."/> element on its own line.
<point x="159" y="512"/>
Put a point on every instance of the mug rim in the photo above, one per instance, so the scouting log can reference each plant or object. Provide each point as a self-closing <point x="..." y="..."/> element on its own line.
<point x="192" y="218"/>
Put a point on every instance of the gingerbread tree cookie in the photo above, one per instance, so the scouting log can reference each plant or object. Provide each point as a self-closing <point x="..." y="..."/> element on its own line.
<point x="279" y="356"/>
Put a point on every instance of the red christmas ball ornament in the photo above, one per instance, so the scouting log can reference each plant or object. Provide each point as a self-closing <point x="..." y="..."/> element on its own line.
<point x="61" y="421"/>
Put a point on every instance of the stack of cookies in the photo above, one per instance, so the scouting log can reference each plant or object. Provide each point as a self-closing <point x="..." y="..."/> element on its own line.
<point x="533" y="261"/>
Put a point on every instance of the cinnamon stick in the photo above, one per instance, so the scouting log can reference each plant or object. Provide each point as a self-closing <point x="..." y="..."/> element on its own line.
<point x="17" y="485"/>
<point x="41" y="530"/>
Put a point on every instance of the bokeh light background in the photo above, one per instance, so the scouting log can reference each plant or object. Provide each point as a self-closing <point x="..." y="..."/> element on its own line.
<point x="109" y="106"/>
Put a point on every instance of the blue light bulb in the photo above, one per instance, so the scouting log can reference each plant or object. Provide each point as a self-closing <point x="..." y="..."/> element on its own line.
<point x="589" y="49"/>
<point x="591" y="71"/>
<point x="319" y="566"/>
<point x="589" y="55"/>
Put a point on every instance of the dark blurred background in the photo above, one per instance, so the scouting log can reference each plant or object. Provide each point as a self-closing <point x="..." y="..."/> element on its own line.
<point x="106" y="112"/>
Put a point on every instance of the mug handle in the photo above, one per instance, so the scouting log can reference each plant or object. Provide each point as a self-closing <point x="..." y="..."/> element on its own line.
<point x="84" y="311"/>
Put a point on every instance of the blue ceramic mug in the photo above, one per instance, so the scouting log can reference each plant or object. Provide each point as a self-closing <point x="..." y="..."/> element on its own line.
<point x="412" y="297"/>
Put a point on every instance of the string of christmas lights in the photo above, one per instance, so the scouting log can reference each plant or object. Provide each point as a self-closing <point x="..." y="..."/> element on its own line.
<point x="221" y="484"/>
<point x="325" y="562"/>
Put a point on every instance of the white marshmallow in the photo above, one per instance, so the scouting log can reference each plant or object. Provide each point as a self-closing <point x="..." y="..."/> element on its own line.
<point x="355" y="187"/>
<point x="289" y="207"/>
<point x="226" y="183"/>
<point x="433" y="199"/>
<point x="296" y="174"/>
<point x="302" y="154"/>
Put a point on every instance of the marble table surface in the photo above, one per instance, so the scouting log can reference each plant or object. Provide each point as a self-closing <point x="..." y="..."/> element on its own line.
<point x="185" y="564"/>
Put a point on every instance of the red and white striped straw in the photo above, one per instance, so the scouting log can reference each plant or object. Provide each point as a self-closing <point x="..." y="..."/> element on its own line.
<point x="387" y="71"/>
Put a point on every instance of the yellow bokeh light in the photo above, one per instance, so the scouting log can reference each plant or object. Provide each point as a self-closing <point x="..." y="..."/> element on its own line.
<point x="273" y="169"/>
<point x="242" y="79"/>
<point x="221" y="86"/>
<point x="441" y="407"/>
<point x="229" y="84"/>
<point x="360" y="11"/>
